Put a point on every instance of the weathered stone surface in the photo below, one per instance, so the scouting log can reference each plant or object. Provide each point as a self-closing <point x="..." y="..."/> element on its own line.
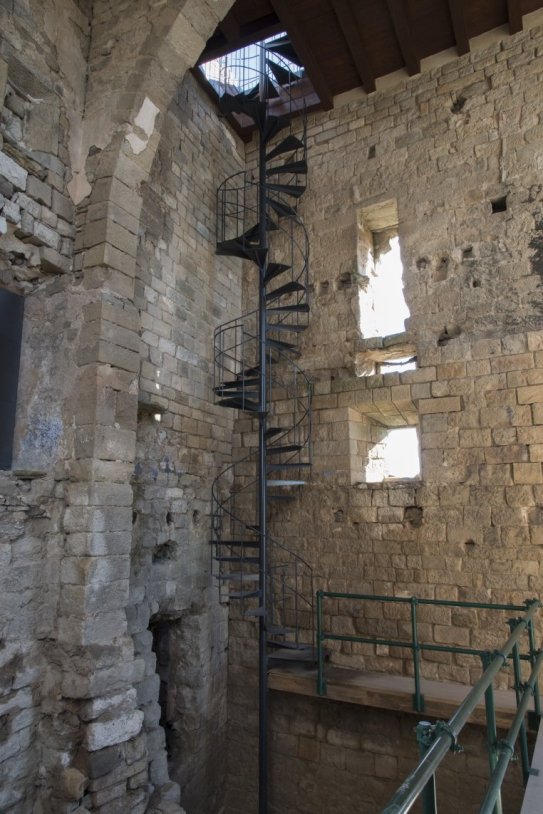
<point x="110" y="731"/>
<point x="12" y="172"/>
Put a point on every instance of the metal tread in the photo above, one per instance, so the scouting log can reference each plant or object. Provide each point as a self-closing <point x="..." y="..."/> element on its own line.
<point x="287" y="288"/>
<point x="283" y="482"/>
<point x="293" y="190"/>
<point x="287" y="145"/>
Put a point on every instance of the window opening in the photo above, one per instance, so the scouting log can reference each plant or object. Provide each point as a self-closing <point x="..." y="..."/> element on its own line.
<point x="383" y="309"/>
<point x="395" y="455"/>
<point x="399" y="365"/>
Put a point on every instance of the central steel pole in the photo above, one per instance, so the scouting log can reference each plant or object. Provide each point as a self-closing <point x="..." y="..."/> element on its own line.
<point x="262" y="474"/>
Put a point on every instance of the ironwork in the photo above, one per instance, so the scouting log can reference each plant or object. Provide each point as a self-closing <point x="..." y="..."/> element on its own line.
<point x="254" y="368"/>
<point x="445" y="736"/>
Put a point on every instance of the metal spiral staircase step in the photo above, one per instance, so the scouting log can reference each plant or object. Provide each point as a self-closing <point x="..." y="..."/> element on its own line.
<point x="235" y="384"/>
<point x="287" y="465"/>
<point x="243" y="594"/>
<point x="283" y="448"/>
<point x="287" y="288"/>
<point x="237" y="543"/>
<point x="282" y="75"/>
<point x="291" y="168"/>
<point x="239" y="576"/>
<point x="237" y="559"/>
<point x="284" y="210"/>
<point x="300" y="307"/>
<point x="244" y="103"/>
<point x="293" y="190"/>
<point x="284" y="48"/>
<point x="272" y="126"/>
<point x="287" y="145"/>
<point x="237" y="248"/>
<point x="274" y="270"/>
<point x="281" y="482"/>
<point x="239" y="404"/>
<point x="284" y="347"/>
<point x="305" y="653"/>
<point x="286" y="326"/>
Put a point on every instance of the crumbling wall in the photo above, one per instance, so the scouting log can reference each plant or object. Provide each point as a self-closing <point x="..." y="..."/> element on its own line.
<point x="458" y="150"/>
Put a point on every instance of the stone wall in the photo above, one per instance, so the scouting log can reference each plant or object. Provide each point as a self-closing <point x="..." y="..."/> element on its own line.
<point x="183" y="291"/>
<point x="457" y="149"/>
<point x="85" y="89"/>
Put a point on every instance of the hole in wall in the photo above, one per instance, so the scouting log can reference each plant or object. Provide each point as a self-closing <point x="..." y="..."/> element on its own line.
<point x="165" y="551"/>
<point x="344" y="281"/>
<point x="447" y="334"/>
<point x="338" y="516"/>
<point x="475" y="283"/>
<point x="169" y="518"/>
<point x="499" y="204"/>
<point x="134" y="517"/>
<point x="323" y="287"/>
<point x="442" y="269"/>
<point x="458" y="104"/>
<point x="414" y="516"/>
<point x="422" y="263"/>
<point x="372" y="151"/>
<point x="161" y="646"/>
<point x="467" y="253"/>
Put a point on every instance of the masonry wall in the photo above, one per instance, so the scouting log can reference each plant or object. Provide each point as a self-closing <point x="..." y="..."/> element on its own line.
<point x="443" y="146"/>
<point x="183" y="441"/>
<point x="104" y="512"/>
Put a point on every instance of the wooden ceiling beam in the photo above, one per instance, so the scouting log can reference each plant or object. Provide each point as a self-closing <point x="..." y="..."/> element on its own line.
<point x="353" y="36"/>
<point x="294" y="28"/>
<point x="457" y="10"/>
<point x="514" y="13"/>
<point x="230" y="27"/>
<point x="405" y="34"/>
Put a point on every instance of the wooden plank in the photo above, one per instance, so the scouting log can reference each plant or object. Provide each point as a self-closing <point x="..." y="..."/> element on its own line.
<point x="457" y="11"/>
<point x="353" y="37"/>
<point x="390" y="692"/>
<point x="230" y="27"/>
<point x="294" y="28"/>
<point x="514" y="13"/>
<point x="405" y="34"/>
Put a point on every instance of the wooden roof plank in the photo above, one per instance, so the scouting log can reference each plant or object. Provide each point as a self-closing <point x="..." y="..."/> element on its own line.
<point x="457" y="11"/>
<point x="230" y="27"/>
<point x="514" y="12"/>
<point x="353" y="36"/>
<point x="294" y="26"/>
<point x="405" y="34"/>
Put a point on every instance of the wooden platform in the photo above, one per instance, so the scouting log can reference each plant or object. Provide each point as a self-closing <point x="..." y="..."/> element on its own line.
<point x="388" y="692"/>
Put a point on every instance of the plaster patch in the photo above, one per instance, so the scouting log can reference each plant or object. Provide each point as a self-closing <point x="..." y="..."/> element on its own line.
<point x="145" y="123"/>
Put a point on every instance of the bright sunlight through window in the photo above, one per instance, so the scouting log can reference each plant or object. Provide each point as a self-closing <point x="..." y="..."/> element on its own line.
<point x="397" y="456"/>
<point x="383" y="309"/>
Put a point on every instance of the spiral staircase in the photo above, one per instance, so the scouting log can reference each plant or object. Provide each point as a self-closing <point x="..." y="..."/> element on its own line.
<point x="255" y="371"/>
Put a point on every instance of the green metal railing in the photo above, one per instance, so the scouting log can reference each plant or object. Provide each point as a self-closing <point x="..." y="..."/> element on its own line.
<point x="435" y="740"/>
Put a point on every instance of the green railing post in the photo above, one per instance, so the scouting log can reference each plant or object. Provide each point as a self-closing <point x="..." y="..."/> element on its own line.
<point x="506" y="746"/>
<point x="523" y="738"/>
<point x="425" y="737"/>
<point x="321" y="681"/>
<point x="533" y="656"/>
<point x="491" y="730"/>
<point x="418" y="698"/>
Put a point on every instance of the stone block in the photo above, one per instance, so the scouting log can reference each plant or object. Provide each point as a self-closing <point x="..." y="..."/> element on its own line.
<point x="108" y="732"/>
<point x="39" y="191"/>
<point x="3" y="80"/>
<point x="13" y="172"/>
<point x="53" y="262"/>
<point x="440" y="405"/>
